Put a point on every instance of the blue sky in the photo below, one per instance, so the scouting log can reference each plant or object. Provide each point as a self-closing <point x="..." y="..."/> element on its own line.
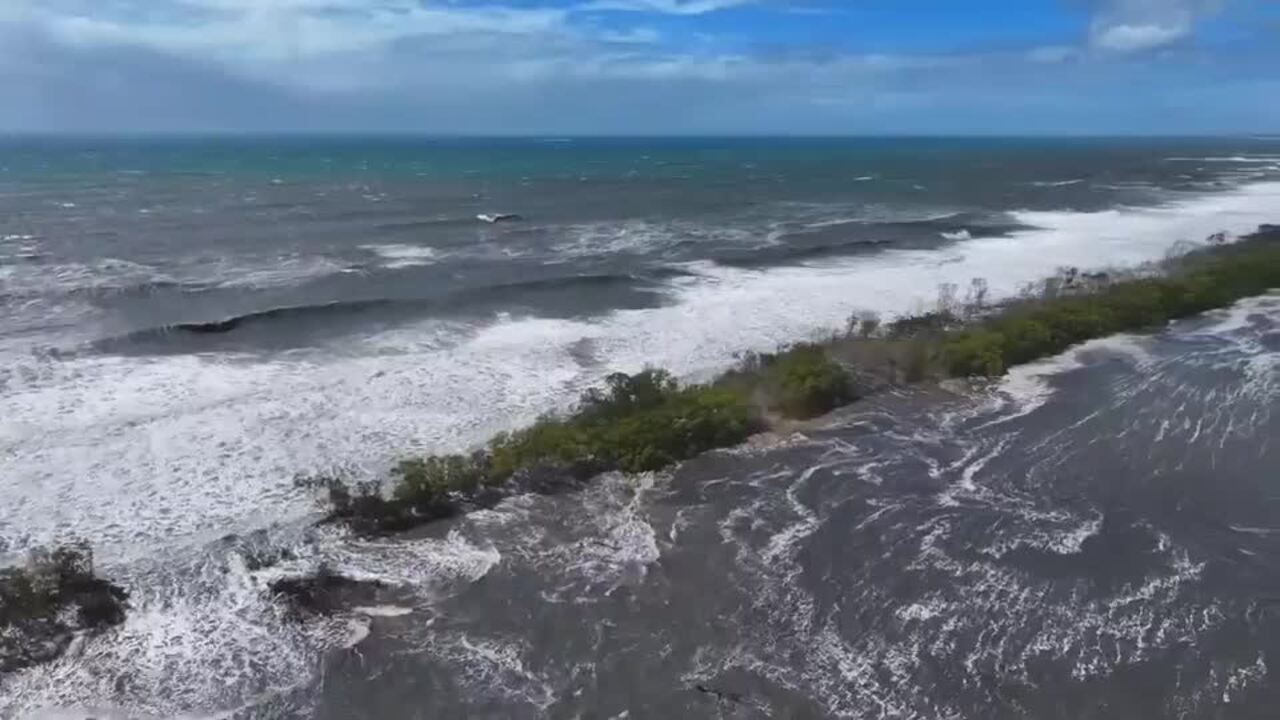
<point x="538" y="67"/>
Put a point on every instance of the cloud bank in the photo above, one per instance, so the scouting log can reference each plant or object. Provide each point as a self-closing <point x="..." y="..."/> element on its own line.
<point x="619" y="66"/>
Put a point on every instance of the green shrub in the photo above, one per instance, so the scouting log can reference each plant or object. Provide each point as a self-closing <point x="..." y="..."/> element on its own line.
<point x="1024" y="339"/>
<point x="362" y="507"/>
<point x="686" y="423"/>
<point x="635" y="423"/>
<point x="642" y="422"/>
<point x="1049" y="325"/>
<point x="930" y="323"/>
<point x="647" y="421"/>
<point x="975" y="352"/>
<point x="550" y="442"/>
<point x="805" y="382"/>
<point x="625" y="394"/>
<point x="430" y="481"/>
<point x="918" y="359"/>
<point x="1072" y="320"/>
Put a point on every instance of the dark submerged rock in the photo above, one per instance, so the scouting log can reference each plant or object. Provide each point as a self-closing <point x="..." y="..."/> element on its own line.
<point x="45" y="604"/>
<point x="719" y="695"/>
<point x="326" y="593"/>
<point x="364" y="509"/>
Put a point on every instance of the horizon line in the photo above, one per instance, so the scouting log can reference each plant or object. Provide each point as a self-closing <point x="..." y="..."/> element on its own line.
<point x="553" y="137"/>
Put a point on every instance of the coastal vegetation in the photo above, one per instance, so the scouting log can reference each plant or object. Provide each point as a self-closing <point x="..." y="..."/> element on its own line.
<point x="636" y="423"/>
<point x="1037" y="328"/>
<point x="799" y="382"/>
<point x="648" y="421"/>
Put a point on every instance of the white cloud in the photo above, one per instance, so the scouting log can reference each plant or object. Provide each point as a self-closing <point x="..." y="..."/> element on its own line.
<point x="1131" y="26"/>
<point x="669" y="7"/>
<point x="1137" y="38"/>
<point x="515" y="66"/>
<point x="247" y="31"/>
<point x="360" y="46"/>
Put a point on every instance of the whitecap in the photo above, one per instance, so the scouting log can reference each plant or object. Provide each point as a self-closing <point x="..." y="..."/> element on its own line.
<point x="358" y="630"/>
<point x="185" y="619"/>
<point x="383" y="611"/>
<point x="603" y="239"/>
<point x="253" y="271"/>
<point x="402" y="256"/>
<point x="1027" y="386"/>
<point x="142" y="452"/>
<point x="1226" y="321"/>
<point x="1231" y="159"/>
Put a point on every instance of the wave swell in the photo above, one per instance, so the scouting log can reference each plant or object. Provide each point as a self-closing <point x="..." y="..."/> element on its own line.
<point x="482" y="299"/>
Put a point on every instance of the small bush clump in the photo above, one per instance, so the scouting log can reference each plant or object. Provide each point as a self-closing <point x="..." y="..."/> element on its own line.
<point x="1039" y="328"/>
<point x="930" y="323"/>
<point x="429" y="481"/>
<point x="636" y="423"/>
<point x="804" y="382"/>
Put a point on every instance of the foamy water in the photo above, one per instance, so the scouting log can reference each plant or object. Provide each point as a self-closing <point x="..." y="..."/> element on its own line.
<point x="146" y="452"/>
<point x="172" y="463"/>
<point x="402" y="256"/>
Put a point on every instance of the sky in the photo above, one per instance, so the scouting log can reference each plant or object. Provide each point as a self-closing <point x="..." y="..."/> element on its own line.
<point x="641" y="67"/>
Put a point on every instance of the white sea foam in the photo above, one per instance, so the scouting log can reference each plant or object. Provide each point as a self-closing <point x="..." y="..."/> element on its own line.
<point x="142" y="451"/>
<point x="1027" y="384"/>
<point x="493" y="666"/>
<point x="401" y="256"/>
<point x="198" y="644"/>
<point x="264" y="272"/>
<point x="877" y="671"/>
<point x="957" y="235"/>
<point x="383" y="611"/>
<point x="1228" y="159"/>
<point x="1242" y="679"/>
<point x="99" y="275"/>
<point x="836" y="222"/>
<point x="836" y="217"/>
<point x="1055" y="532"/>
<point x="609" y="238"/>
<point x="1238" y="317"/>
<point x="205" y="635"/>
<point x="109" y="273"/>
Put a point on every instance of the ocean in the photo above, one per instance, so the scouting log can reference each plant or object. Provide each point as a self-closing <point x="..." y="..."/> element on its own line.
<point x="189" y="324"/>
